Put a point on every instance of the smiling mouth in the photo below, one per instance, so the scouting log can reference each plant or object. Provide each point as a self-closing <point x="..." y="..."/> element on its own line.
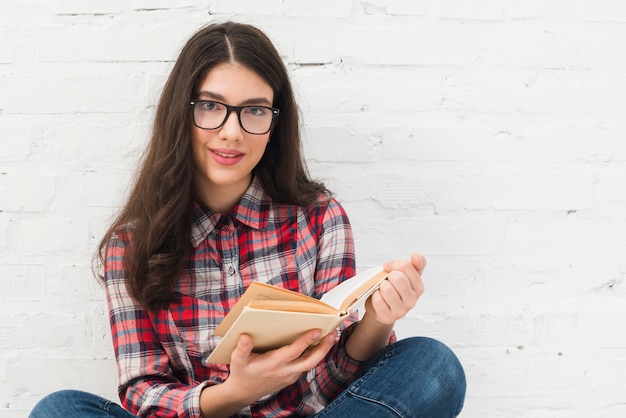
<point x="225" y="155"/>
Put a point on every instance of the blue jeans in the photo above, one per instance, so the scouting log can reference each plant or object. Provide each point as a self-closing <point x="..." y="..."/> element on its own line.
<point x="416" y="377"/>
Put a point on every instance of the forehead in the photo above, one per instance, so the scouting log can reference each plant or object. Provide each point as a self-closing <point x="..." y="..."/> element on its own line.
<point x="235" y="84"/>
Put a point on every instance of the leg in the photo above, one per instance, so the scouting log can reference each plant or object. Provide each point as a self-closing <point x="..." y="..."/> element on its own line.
<point x="77" y="404"/>
<point x="416" y="377"/>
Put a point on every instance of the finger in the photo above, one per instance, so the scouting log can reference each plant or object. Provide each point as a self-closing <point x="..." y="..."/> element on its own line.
<point x="379" y="306"/>
<point x="313" y="356"/>
<point x="419" y="262"/>
<point x="295" y="349"/>
<point x="243" y="349"/>
<point x="406" y="290"/>
<point x="390" y="295"/>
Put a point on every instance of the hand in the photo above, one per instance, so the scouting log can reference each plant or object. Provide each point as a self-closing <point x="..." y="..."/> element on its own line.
<point x="257" y="375"/>
<point x="399" y="293"/>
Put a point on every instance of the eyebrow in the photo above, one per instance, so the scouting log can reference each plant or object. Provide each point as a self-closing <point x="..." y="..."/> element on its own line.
<point x="250" y="101"/>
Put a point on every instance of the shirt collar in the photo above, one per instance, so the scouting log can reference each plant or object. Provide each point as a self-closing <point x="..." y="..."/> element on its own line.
<point x="252" y="210"/>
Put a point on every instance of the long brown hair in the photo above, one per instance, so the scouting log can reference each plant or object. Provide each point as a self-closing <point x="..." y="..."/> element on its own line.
<point x="159" y="204"/>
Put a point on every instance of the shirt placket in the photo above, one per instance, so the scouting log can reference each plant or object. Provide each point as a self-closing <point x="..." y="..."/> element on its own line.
<point x="229" y="253"/>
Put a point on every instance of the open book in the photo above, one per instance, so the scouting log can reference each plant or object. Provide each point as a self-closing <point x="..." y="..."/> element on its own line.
<point x="275" y="317"/>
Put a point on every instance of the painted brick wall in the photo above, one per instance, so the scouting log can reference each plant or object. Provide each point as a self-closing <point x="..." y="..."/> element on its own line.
<point x="489" y="134"/>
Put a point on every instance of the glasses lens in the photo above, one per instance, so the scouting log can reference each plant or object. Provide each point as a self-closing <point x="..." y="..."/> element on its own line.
<point x="256" y="119"/>
<point x="209" y="115"/>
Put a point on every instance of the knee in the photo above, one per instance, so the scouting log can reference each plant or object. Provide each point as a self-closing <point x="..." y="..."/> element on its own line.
<point x="54" y="404"/>
<point x="436" y="363"/>
<point x="49" y="403"/>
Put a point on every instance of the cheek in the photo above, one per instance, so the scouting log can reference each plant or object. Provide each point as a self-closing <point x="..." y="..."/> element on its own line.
<point x="198" y="142"/>
<point x="262" y="149"/>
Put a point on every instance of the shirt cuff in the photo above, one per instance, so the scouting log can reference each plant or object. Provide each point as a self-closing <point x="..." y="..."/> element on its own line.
<point x="346" y="364"/>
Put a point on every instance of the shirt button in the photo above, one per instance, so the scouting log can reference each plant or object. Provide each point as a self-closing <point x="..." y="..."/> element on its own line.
<point x="231" y="270"/>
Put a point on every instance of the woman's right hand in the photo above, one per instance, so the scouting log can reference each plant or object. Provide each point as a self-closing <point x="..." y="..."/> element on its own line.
<point x="253" y="375"/>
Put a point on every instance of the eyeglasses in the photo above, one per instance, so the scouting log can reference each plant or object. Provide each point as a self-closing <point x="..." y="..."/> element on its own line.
<point x="255" y="120"/>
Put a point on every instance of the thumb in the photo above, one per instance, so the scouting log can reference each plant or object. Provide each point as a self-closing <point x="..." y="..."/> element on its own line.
<point x="419" y="262"/>
<point x="243" y="349"/>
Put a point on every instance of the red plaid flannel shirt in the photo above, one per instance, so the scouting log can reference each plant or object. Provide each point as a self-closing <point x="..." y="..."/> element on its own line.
<point x="160" y="354"/>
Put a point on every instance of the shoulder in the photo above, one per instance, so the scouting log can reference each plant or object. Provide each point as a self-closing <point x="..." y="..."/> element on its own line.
<point x="329" y="208"/>
<point x="327" y="213"/>
<point x="121" y="235"/>
<point x="115" y="249"/>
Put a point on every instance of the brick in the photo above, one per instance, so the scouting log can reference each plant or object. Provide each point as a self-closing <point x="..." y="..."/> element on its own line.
<point x="605" y="10"/>
<point x="17" y="146"/>
<point x="472" y="10"/>
<point x="385" y="46"/>
<point x="359" y="91"/>
<point x="580" y="330"/>
<point x="27" y="194"/>
<point x="526" y="191"/>
<point x="74" y="282"/>
<point x="162" y="4"/>
<point x="84" y="42"/>
<point x="323" y="8"/>
<point x="347" y="144"/>
<point x="62" y="373"/>
<point x="48" y="235"/>
<point x="77" y="7"/>
<point x="262" y="7"/>
<point x="5" y="49"/>
<point x="395" y="7"/>
<point x="103" y="188"/>
<point x="22" y="281"/>
<point x="64" y="92"/>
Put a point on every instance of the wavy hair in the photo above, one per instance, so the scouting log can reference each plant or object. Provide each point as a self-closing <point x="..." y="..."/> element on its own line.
<point x="160" y="201"/>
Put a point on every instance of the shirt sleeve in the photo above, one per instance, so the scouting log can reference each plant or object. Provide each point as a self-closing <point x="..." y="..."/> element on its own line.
<point x="336" y="263"/>
<point x="147" y="384"/>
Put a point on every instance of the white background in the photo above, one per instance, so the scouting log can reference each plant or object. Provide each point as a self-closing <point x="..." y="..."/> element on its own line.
<point x="487" y="134"/>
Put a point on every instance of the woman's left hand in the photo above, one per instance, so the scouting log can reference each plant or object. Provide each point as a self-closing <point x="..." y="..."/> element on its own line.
<point x="399" y="293"/>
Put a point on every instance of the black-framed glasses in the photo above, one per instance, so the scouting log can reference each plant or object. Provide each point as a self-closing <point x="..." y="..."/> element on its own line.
<point x="255" y="120"/>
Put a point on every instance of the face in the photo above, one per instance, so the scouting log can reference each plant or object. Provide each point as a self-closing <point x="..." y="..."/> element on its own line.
<point x="225" y="157"/>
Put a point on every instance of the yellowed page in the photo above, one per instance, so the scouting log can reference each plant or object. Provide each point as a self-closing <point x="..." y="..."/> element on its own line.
<point x="260" y="291"/>
<point x="292" y="306"/>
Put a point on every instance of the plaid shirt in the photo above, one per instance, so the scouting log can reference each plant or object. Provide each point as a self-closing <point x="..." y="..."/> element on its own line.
<point x="160" y="354"/>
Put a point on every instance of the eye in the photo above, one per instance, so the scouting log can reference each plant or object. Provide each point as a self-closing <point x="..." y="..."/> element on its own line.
<point x="256" y="110"/>
<point x="209" y="106"/>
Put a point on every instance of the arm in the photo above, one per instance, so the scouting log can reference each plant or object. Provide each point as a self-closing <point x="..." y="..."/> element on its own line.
<point x="395" y="298"/>
<point x="147" y="383"/>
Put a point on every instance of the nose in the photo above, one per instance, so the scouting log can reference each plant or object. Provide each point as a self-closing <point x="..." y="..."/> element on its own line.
<point x="231" y="129"/>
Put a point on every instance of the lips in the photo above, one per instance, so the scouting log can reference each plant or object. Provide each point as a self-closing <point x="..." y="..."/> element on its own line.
<point x="226" y="157"/>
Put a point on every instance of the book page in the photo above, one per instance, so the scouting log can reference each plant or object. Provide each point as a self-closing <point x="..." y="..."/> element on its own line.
<point x="271" y="329"/>
<point x="352" y="293"/>
<point x="292" y="306"/>
<point x="260" y="291"/>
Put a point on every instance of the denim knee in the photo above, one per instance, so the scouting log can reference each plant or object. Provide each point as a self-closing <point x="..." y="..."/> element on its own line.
<point x="76" y="404"/>
<point x="436" y="363"/>
<point x="47" y="406"/>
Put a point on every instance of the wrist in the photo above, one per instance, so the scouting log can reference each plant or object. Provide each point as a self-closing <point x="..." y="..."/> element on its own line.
<point x="221" y="400"/>
<point x="374" y="326"/>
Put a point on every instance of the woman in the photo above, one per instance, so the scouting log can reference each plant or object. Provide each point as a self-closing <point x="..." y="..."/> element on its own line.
<point x="223" y="198"/>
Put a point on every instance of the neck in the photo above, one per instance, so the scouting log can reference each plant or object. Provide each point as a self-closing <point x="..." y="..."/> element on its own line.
<point x="221" y="199"/>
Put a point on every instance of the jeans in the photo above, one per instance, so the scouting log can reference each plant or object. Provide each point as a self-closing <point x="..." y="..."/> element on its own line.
<point x="416" y="377"/>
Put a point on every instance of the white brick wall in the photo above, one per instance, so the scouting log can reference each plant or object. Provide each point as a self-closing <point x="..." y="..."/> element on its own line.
<point x="489" y="135"/>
